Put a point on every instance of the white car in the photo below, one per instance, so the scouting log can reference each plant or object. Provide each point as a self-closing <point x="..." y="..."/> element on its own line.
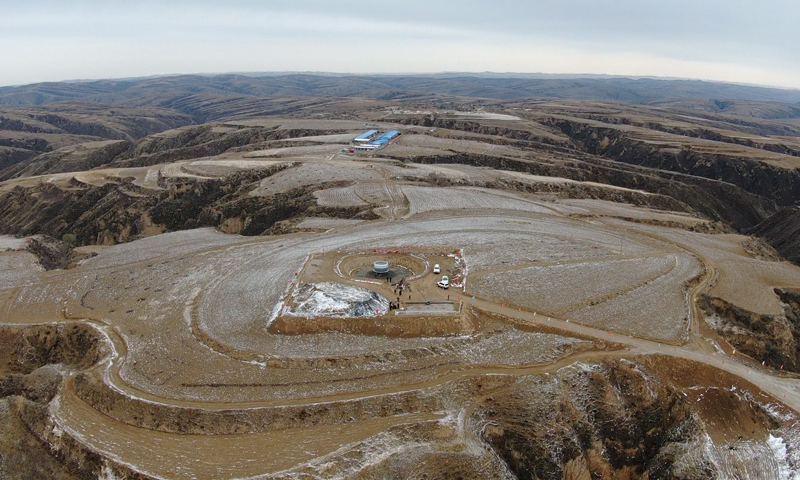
<point x="444" y="282"/>
<point x="437" y="269"/>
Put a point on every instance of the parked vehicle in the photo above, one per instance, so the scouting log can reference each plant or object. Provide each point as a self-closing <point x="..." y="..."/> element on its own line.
<point x="437" y="269"/>
<point x="444" y="282"/>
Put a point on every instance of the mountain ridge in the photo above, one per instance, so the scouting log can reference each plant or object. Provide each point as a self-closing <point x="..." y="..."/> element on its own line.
<point x="617" y="89"/>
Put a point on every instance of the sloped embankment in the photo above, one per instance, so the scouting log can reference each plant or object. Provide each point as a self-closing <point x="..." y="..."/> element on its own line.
<point x="33" y="361"/>
<point x="652" y="418"/>
<point x="782" y="231"/>
<point x="772" y="339"/>
<point x="716" y="200"/>
<point x="781" y="185"/>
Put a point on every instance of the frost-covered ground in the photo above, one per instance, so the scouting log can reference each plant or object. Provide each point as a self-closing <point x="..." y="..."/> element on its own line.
<point x="339" y="197"/>
<point x="153" y="290"/>
<point x="547" y="240"/>
<point x="741" y="279"/>
<point x="246" y="293"/>
<point x="313" y="151"/>
<point x="18" y="268"/>
<point x="164" y="246"/>
<point x="323" y="222"/>
<point x="425" y="199"/>
<point x="488" y="250"/>
<point x="340" y="138"/>
<point x="202" y="298"/>
<point x="766" y="459"/>
<point x="658" y="309"/>
<point x="604" y="207"/>
<point x="555" y="288"/>
<point x="449" y="144"/>
<point x="424" y="171"/>
<point x="214" y="168"/>
<point x="373" y="192"/>
<point x="312" y="173"/>
<point x="515" y="347"/>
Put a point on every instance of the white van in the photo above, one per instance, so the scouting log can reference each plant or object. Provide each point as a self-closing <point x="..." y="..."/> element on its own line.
<point x="437" y="269"/>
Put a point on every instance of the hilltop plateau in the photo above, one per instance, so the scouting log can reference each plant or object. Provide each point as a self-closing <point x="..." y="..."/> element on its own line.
<point x="187" y="278"/>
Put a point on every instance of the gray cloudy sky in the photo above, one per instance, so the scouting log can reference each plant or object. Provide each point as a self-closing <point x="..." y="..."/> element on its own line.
<point x="731" y="40"/>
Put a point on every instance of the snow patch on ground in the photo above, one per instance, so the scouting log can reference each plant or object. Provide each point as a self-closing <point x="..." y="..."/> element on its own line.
<point x="778" y="447"/>
<point x="12" y="243"/>
<point x="751" y="459"/>
<point x="332" y="299"/>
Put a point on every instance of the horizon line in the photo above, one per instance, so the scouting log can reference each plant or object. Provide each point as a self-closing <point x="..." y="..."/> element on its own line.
<point x="416" y="74"/>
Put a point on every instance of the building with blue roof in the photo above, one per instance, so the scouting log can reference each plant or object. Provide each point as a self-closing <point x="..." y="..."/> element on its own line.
<point x="385" y="138"/>
<point x="378" y="142"/>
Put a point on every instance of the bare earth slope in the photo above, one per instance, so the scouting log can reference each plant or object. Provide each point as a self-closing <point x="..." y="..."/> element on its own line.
<point x="782" y="231"/>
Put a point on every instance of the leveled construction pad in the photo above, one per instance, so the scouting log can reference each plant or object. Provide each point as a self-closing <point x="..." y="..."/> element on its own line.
<point x="183" y="319"/>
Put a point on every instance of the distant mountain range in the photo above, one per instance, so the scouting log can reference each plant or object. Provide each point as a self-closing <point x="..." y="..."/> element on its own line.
<point x="388" y="87"/>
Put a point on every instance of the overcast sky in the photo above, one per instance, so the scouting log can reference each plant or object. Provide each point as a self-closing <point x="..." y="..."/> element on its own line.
<point x="730" y="40"/>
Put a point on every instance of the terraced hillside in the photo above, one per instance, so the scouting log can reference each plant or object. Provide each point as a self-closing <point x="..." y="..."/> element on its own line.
<point x="185" y="298"/>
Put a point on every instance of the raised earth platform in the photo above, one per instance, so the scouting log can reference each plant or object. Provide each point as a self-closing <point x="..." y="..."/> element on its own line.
<point x="339" y="290"/>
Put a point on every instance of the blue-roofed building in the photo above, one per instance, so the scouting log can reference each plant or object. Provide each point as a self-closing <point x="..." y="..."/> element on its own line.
<point x="377" y="143"/>
<point x="365" y="137"/>
<point x="384" y="139"/>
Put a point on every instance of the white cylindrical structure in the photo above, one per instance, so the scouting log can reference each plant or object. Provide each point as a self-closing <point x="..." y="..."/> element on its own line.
<point x="380" y="266"/>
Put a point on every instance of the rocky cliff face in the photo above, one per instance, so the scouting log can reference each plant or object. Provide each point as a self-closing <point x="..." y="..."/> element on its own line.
<point x="69" y="159"/>
<point x="28" y="133"/>
<point x="119" y="212"/>
<point x="591" y="421"/>
<point x="10" y="156"/>
<point x="781" y="185"/>
<point x="33" y="364"/>
<point x="716" y="200"/>
<point x="772" y="339"/>
<point x="782" y="231"/>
